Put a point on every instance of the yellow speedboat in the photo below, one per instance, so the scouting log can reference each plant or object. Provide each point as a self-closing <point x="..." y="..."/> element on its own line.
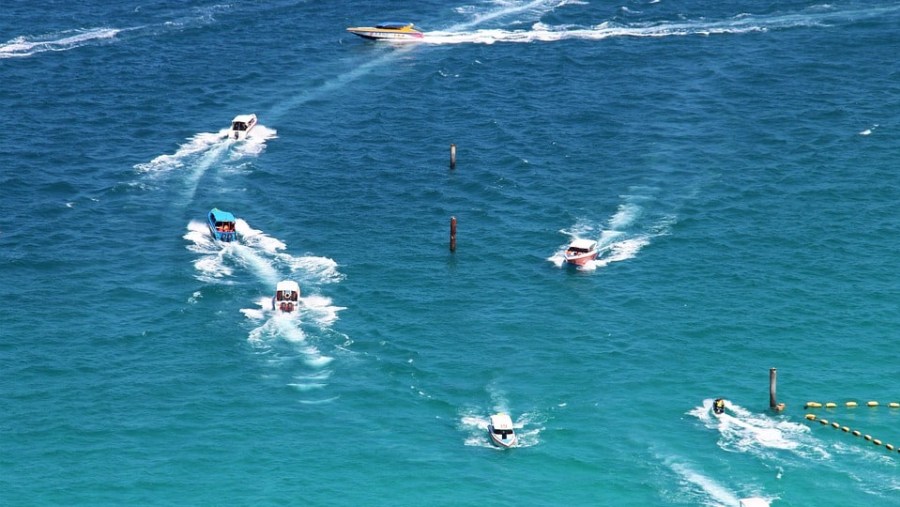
<point x="388" y="31"/>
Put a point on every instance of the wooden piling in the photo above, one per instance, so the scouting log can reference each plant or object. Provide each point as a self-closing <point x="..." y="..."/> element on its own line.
<point x="773" y="403"/>
<point x="452" y="156"/>
<point x="452" y="234"/>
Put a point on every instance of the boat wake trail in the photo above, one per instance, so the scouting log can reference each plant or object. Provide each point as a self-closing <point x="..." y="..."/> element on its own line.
<point x="537" y="7"/>
<point x="623" y="236"/>
<point x="201" y="152"/>
<point x="289" y="343"/>
<point x="743" y="431"/>
<point x="739" y="24"/>
<point x="779" y="442"/>
<point x="701" y="489"/>
<point x="24" y="46"/>
<point x="474" y="425"/>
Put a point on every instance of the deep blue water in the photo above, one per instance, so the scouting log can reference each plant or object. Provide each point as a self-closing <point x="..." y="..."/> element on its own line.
<point x="738" y="159"/>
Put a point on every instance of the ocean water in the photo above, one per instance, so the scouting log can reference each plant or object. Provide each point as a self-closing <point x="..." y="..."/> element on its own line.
<point x="739" y="160"/>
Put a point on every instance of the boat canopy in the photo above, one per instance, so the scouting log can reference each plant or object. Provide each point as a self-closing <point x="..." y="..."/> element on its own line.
<point x="583" y="244"/>
<point x="243" y="121"/>
<point x="221" y="216"/>
<point x="288" y="285"/>
<point x="393" y="25"/>
<point x="501" y="422"/>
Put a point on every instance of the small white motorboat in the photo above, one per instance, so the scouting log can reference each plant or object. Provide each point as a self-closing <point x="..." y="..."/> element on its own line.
<point x="501" y="431"/>
<point x="241" y="126"/>
<point x="581" y="251"/>
<point x="287" y="296"/>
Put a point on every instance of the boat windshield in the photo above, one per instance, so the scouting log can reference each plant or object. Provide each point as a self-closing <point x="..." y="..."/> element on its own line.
<point x="578" y="250"/>
<point x="224" y="226"/>
<point x="239" y="125"/>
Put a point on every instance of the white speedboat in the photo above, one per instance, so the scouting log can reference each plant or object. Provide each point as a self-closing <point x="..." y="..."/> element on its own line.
<point x="287" y="296"/>
<point x="581" y="251"/>
<point x="241" y="126"/>
<point x="388" y="31"/>
<point x="501" y="431"/>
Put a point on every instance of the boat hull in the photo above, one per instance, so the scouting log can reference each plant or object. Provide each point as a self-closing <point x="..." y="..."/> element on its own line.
<point x="225" y="237"/>
<point x="284" y="306"/>
<point x="372" y="33"/>
<point x="580" y="260"/>
<point x="505" y="443"/>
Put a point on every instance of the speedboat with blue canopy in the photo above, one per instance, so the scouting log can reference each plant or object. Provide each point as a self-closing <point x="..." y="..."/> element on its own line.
<point x="391" y="31"/>
<point x="221" y="225"/>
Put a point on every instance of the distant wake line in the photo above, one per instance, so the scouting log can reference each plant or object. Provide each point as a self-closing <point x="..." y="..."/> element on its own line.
<point x="540" y="7"/>
<point x="65" y="40"/>
<point x="23" y="46"/>
<point x="743" y="23"/>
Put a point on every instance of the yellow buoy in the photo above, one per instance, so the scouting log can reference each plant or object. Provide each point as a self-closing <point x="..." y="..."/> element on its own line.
<point x="823" y="421"/>
<point x="811" y="417"/>
<point x="845" y="429"/>
<point x="851" y="404"/>
<point x="876" y="441"/>
<point x="872" y="403"/>
<point x="894" y="404"/>
<point x="889" y="447"/>
<point x="868" y="437"/>
<point x="835" y="425"/>
<point x="813" y="404"/>
<point x="856" y="433"/>
<point x="830" y="404"/>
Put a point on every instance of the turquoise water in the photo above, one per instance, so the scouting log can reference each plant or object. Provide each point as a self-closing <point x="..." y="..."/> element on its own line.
<point x="739" y="161"/>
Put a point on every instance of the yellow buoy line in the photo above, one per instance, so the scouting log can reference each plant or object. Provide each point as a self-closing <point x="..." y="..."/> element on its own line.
<point x="849" y="404"/>
<point x="846" y="429"/>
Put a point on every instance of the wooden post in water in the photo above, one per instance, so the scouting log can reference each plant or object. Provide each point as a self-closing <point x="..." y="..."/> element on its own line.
<point x="452" y="156"/>
<point x="452" y="234"/>
<point x="773" y="403"/>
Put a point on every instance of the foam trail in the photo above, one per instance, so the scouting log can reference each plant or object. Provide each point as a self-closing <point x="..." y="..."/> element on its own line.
<point x="336" y="83"/>
<point x="262" y="267"/>
<point x="474" y="422"/>
<point x="340" y="81"/>
<point x="507" y="11"/>
<point x="711" y="489"/>
<point x="23" y="46"/>
<point x="284" y="327"/>
<point x="743" y="23"/>
<point x="256" y="238"/>
<point x="195" y="145"/>
<point x="203" y="164"/>
<point x="65" y="40"/>
<point x="758" y="434"/>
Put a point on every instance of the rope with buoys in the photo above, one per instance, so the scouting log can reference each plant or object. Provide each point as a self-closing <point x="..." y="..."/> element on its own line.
<point x="846" y="429"/>
<point x="849" y="404"/>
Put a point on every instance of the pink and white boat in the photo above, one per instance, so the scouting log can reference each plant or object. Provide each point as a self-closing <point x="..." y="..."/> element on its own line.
<point x="581" y="251"/>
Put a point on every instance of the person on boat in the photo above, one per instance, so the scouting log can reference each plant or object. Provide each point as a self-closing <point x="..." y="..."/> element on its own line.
<point x="719" y="406"/>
